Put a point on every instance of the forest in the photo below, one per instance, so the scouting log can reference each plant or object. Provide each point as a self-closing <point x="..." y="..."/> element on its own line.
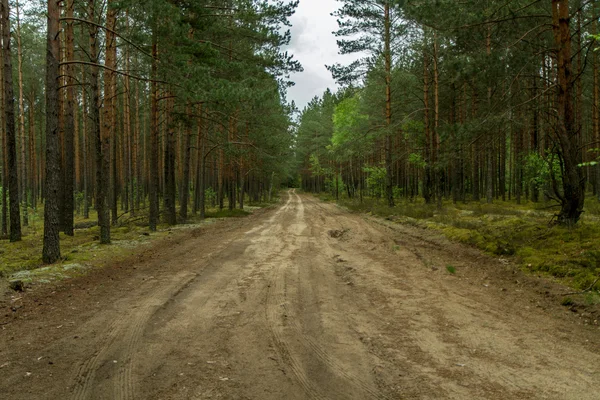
<point x="140" y="111"/>
<point x="477" y="100"/>
<point x="466" y="104"/>
<point x="150" y="112"/>
<point x="190" y="210"/>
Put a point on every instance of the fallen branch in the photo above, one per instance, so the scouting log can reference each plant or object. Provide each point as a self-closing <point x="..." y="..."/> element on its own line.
<point x="586" y="290"/>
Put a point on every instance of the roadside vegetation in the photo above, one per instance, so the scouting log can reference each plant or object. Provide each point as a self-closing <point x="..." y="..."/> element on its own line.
<point x="524" y="233"/>
<point x="22" y="261"/>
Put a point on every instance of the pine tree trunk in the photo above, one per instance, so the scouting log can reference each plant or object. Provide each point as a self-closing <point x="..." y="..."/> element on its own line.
<point x="573" y="182"/>
<point x="97" y="134"/>
<point x="428" y="180"/>
<point x="436" y="124"/>
<point x="490" y="142"/>
<point x="389" y="189"/>
<point x="84" y="143"/>
<point x="185" y="184"/>
<point x="4" y="147"/>
<point x="69" y="130"/>
<point x="109" y="121"/>
<point x="153" y="161"/>
<point x="11" y="134"/>
<point x="22" y="135"/>
<point x="596" y="105"/>
<point x="51" y="247"/>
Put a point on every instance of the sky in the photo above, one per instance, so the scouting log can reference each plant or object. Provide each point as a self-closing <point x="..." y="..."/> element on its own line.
<point x="314" y="45"/>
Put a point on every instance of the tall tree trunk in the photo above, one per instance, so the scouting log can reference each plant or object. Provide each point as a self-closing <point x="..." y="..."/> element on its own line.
<point x="490" y="141"/>
<point x="97" y="134"/>
<point x="169" y="168"/>
<point x="185" y="184"/>
<point x="436" y="123"/>
<point x="4" y="146"/>
<point x="69" y="130"/>
<point x="596" y="104"/>
<point x="153" y="164"/>
<point x="389" y="189"/>
<point x="22" y="135"/>
<point x="109" y="121"/>
<point x="51" y="248"/>
<point x="129" y="133"/>
<point x="11" y="134"/>
<point x="573" y="183"/>
<point x="428" y="179"/>
<point x="84" y="143"/>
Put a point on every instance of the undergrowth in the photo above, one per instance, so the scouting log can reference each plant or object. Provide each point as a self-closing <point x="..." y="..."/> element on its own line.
<point x="23" y="259"/>
<point x="506" y="229"/>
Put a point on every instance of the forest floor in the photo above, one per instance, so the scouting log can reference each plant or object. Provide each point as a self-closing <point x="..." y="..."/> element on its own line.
<point x="302" y="301"/>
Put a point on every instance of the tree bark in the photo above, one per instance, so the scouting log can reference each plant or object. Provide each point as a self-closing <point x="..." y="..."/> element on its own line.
<point x="69" y="131"/>
<point x="22" y="135"/>
<point x="153" y="165"/>
<point x="96" y="133"/>
<point x="51" y="247"/>
<point x="185" y="184"/>
<point x="11" y="138"/>
<point x="573" y="182"/>
<point x="389" y="189"/>
<point x="4" y="147"/>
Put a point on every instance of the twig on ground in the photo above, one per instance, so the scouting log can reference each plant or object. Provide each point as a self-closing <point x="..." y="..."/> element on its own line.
<point x="591" y="288"/>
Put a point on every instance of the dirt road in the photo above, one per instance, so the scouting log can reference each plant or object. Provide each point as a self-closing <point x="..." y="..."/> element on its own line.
<point x="304" y="301"/>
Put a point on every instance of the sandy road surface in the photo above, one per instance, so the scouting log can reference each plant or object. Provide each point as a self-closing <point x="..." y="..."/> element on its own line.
<point x="302" y="302"/>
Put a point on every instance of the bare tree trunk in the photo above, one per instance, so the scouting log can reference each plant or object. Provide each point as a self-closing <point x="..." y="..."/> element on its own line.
<point x="490" y="141"/>
<point x="573" y="183"/>
<point x="428" y="179"/>
<point x="96" y="133"/>
<point x="22" y="135"/>
<point x="129" y="133"/>
<point x="169" y="169"/>
<point x="436" y="123"/>
<point x="84" y="143"/>
<point x="109" y="136"/>
<point x="185" y="184"/>
<point x="153" y="165"/>
<point x="4" y="147"/>
<point x="69" y="130"/>
<point x="11" y="139"/>
<point x="51" y="248"/>
<point x="389" y="189"/>
<point x="596" y="104"/>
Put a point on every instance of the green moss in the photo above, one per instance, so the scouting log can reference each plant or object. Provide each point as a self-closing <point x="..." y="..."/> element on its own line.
<point x="83" y="249"/>
<point x="506" y="229"/>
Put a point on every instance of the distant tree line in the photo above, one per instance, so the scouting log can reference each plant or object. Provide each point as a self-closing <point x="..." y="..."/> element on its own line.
<point x="464" y="101"/>
<point x="144" y="108"/>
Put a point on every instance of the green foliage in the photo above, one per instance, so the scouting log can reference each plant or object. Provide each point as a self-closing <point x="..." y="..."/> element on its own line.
<point x="506" y="230"/>
<point x="417" y="160"/>
<point x="451" y="269"/>
<point x="537" y="170"/>
<point x="567" y="302"/>
<point x="376" y="180"/>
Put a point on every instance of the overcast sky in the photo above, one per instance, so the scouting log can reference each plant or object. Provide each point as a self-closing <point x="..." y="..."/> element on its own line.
<point x="314" y="45"/>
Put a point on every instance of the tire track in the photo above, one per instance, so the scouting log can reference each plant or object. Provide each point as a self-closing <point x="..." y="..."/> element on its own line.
<point x="331" y="362"/>
<point x="128" y="330"/>
<point x="87" y="370"/>
<point x="275" y="298"/>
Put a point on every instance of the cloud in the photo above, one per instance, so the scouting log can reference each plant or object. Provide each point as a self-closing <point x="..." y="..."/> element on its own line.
<point x="314" y="45"/>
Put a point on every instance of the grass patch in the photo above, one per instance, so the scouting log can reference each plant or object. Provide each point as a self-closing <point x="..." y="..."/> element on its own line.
<point x="226" y="213"/>
<point x="505" y="229"/>
<point x="23" y="261"/>
<point x="451" y="269"/>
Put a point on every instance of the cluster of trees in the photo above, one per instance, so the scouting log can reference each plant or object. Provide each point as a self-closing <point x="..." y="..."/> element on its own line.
<point x="461" y="100"/>
<point x="146" y="107"/>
